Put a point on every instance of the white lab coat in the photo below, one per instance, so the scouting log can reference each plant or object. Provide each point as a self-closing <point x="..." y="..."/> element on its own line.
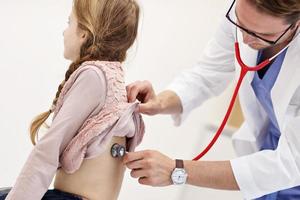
<point x="257" y="173"/>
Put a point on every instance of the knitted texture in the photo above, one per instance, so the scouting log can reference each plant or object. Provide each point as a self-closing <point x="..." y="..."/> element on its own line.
<point x="115" y="108"/>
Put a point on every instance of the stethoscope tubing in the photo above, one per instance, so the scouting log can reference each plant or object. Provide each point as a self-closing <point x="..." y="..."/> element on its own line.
<point x="244" y="70"/>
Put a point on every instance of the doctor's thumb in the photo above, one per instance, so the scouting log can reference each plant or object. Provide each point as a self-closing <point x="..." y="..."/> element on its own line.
<point x="148" y="108"/>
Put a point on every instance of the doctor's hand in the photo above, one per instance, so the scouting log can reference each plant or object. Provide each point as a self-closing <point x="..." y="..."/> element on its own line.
<point x="150" y="167"/>
<point x="144" y="92"/>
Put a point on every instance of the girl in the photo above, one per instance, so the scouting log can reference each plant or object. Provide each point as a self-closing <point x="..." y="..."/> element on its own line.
<point x="90" y="110"/>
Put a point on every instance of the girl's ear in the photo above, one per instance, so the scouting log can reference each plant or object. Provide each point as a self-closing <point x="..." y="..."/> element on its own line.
<point x="83" y="35"/>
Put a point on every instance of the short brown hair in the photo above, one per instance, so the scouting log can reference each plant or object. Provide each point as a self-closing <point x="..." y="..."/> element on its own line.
<point x="288" y="9"/>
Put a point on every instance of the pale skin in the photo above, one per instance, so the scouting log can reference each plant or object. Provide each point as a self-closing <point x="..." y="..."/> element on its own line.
<point x="73" y="38"/>
<point x="154" y="168"/>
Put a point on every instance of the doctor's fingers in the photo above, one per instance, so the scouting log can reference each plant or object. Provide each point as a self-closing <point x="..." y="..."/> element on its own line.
<point x="132" y="91"/>
<point x="147" y="177"/>
<point x="143" y="178"/>
<point x="145" y="163"/>
<point x="140" y="90"/>
<point x="139" y="173"/>
<point x="149" y="181"/>
<point x="135" y="156"/>
<point x="152" y="107"/>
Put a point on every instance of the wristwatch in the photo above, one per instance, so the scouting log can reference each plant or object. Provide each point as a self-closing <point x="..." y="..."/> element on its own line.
<point x="179" y="175"/>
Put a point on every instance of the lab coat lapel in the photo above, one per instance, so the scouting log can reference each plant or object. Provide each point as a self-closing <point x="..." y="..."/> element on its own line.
<point x="287" y="81"/>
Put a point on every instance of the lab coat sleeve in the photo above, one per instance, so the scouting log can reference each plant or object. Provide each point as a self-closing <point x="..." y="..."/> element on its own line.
<point x="269" y="171"/>
<point x="85" y="95"/>
<point x="210" y="76"/>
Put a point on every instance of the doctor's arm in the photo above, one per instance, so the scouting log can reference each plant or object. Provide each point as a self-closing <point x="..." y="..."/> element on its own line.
<point x="153" y="168"/>
<point x="209" y="77"/>
<point x="254" y="175"/>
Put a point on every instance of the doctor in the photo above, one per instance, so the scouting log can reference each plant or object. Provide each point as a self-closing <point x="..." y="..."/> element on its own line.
<point x="268" y="142"/>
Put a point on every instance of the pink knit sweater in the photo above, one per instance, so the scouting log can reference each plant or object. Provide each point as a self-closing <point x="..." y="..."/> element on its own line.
<point x="91" y="109"/>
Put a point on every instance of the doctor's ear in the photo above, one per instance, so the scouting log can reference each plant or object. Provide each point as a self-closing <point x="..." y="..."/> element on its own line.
<point x="298" y="23"/>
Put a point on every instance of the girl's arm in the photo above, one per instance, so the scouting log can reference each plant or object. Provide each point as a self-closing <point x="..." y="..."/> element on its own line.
<point x="86" y="95"/>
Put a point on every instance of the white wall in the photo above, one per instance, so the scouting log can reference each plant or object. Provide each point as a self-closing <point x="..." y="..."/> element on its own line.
<point x="173" y="35"/>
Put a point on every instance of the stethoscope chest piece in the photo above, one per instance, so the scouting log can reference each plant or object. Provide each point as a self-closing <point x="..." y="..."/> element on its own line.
<point x="117" y="150"/>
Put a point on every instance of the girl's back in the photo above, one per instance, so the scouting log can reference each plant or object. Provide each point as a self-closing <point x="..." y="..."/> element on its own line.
<point x="99" y="178"/>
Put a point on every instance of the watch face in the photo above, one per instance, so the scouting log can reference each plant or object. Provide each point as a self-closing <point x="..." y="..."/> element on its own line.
<point x="179" y="176"/>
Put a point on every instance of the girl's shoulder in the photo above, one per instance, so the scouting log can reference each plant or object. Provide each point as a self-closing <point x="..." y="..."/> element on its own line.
<point x="102" y="65"/>
<point x="112" y="71"/>
<point x="108" y="70"/>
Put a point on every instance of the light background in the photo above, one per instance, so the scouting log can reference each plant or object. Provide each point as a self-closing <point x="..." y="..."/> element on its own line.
<point x="173" y="34"/>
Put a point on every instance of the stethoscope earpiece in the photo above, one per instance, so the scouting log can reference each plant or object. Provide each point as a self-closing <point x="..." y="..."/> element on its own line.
<point x="117" y="150"/>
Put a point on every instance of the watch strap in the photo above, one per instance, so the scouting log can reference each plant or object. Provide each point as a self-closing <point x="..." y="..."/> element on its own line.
<point x="179" y="163"/>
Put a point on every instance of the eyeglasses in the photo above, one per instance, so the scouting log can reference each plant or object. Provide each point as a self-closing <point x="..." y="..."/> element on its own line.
<point x="251" y="32"/>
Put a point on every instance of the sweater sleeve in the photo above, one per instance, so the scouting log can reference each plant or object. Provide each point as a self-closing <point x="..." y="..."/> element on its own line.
<point x="85" y="96"/>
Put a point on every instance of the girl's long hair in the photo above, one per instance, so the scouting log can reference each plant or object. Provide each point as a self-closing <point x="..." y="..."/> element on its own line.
<point x="112" y="27"/>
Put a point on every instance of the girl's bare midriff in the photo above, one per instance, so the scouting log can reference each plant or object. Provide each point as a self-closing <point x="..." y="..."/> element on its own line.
<point x="99" y="178"/>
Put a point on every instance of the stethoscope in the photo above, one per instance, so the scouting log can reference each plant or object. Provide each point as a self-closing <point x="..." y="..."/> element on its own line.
<point x="118" y="150"/>
<point x="244" y="69"/>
